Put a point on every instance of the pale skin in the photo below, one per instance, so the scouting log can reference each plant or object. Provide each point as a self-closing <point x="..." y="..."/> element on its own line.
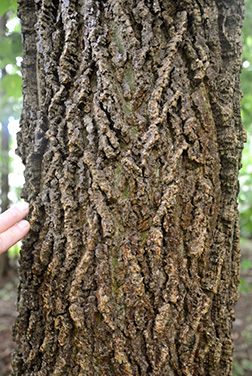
<point x="12" y="226"/>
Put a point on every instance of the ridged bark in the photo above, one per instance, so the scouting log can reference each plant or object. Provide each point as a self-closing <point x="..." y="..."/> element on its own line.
<point x="131" y="136"/>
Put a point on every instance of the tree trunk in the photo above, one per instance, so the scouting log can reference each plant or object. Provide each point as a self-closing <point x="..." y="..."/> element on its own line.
<point x="131" y="136"/>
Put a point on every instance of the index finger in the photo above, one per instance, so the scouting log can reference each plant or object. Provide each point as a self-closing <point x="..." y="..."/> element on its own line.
<point x="13" y="215"/>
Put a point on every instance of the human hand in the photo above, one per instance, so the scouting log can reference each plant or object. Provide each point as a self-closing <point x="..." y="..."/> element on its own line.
<point x="12" y="228"/>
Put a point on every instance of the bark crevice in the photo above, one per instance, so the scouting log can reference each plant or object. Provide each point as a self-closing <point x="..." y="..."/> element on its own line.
<point x="131" y="136"/>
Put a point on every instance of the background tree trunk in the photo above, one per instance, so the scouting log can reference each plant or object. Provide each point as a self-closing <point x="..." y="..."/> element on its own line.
<point x="131" y="136"/>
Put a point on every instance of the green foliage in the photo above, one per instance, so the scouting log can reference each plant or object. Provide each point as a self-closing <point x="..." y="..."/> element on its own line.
<point x="246" y="265"/>
<point x="239" y="368"/>
<point x="10" y="80"/>
<point x="245" y="197"/>
<point x="10" y="62"/>
<point x="14" y="251"/>
<point x="244" y="286"/>
<point x="7" y="5"/>
<point x="10" y="58"/>
<point x="10" y="48"/>
<point x="11" y="85"/>
<point x="247" y="67"/>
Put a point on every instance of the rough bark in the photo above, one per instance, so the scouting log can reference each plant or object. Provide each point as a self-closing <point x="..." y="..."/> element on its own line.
<point x="131" y="136"/>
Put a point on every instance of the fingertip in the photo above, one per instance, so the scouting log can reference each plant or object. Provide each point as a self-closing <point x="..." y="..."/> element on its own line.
<point x="23" y="224"/>
<point x="13" y="235"/>
<point x="23" y="206"/>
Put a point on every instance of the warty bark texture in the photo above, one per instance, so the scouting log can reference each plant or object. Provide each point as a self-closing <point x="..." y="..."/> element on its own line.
<point x="131" y="136"/>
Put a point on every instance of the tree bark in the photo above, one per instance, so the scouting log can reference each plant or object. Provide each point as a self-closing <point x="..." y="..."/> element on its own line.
<point x="131" y="136"/>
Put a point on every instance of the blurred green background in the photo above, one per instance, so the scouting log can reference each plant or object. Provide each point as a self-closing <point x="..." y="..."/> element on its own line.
<point x="245" y="196"/>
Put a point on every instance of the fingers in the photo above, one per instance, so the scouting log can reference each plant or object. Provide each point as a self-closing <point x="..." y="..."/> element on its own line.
<point x="12" y="227"/>
<point x="13" y="235"/>
<point x="13" y="215"/>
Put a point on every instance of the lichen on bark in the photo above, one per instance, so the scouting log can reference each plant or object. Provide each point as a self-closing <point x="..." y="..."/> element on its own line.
<point x="131" y="136"/>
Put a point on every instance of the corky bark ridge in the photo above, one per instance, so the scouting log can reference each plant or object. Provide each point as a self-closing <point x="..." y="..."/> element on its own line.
<point x="131" y="136"/>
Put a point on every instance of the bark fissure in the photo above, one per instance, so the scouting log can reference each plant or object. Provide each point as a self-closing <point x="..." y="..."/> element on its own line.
<point x="134" y="140"/>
